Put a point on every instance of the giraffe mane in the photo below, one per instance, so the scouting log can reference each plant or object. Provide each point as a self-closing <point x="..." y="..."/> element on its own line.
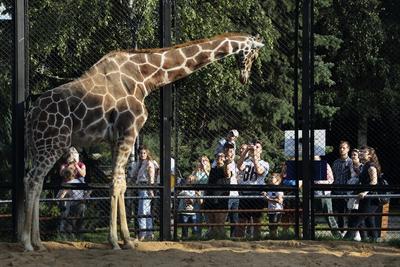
<point x="158" y="50"/>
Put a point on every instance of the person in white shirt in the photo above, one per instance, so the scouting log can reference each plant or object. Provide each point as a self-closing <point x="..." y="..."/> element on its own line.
<point x="325" y="204"/>
<point x="253" y="171"/>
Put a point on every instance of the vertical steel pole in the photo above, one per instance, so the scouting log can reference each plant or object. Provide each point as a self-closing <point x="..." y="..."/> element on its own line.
<point x="312" y="137"/>
<point x="19" y="85"/>
<point x="165" y="129"/>
<point x="296" y="114"/>
<point x="306" y="88"/>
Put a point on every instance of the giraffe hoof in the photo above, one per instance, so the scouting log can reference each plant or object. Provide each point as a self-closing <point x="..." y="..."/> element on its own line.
<point x="40" y="247"/>
<point x="28" y="247"/>
<point x="128" y="245"/>
<point x="116" y="247"/>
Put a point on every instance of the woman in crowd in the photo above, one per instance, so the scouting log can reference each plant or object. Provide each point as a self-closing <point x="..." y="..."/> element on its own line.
<point x="145" y="175"/>
<point x="202" y="170"/>
<point x="368" y="176"/>
<point x="201" y="174"/>
<point x="220" y="174"/>
<point x="353" y="203"/>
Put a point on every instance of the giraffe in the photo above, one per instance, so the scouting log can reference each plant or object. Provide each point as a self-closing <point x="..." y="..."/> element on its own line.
<point x="107" y="104"/>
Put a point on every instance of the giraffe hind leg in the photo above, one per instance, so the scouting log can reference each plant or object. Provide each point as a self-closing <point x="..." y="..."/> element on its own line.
<point x="36" y="242"/>
<point x="29" y="206"/>
<point x="33" y="183"/>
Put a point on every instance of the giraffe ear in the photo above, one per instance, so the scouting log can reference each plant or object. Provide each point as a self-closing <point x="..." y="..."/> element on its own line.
<point x="257" y="45"/>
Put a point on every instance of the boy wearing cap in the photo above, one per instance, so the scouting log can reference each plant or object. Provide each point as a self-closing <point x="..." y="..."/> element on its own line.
<point x="230" y="138"/>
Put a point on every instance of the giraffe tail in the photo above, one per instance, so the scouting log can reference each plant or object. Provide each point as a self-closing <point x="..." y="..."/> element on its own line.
<point x="28" y="140"/>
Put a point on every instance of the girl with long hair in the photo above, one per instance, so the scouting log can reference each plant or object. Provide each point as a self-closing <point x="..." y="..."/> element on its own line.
<point x="145" y="175"/>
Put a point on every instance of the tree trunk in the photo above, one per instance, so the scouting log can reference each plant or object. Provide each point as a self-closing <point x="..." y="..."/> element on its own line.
<point x="362" y="130"/>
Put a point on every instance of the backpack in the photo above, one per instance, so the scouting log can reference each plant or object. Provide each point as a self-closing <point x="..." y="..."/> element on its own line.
<point x="385" y="199"/>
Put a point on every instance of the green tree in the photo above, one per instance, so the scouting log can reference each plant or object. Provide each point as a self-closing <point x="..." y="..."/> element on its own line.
<point x="212" y="101"/>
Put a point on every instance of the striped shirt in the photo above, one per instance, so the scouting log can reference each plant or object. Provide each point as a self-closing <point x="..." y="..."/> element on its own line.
<point x="342" y="171"/>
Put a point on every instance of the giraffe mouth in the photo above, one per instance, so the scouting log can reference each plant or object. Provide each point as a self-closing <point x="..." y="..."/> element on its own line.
<point x="244" y="77"/>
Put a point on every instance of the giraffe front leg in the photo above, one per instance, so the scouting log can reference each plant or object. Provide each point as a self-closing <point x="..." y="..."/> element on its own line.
<point x="113" y="236"/>
<point x="121" y="151"/>
<point x="122" y="218"/>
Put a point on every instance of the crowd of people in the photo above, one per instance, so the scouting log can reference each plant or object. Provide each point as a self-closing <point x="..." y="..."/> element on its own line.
<point x="208" y="211"/>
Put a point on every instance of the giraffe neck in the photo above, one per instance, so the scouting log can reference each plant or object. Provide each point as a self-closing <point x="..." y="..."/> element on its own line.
<point x="179" y="62"/>
<point x="140" y="72"/>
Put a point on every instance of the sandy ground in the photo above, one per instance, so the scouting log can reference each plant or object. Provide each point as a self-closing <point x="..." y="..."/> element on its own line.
<point x="208" y="253"/>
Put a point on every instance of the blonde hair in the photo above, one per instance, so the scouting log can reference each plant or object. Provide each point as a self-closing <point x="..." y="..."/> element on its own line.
<point x="207" y="167"/>
<point x="149" y="157"/>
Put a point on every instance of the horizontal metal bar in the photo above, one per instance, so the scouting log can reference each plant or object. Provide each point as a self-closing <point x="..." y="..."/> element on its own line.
<point x="357" y="229"/>
<point x="234" y="224"/>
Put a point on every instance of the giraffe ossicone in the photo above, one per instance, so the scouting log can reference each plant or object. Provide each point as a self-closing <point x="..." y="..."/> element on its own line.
<point x="107" y="104"/>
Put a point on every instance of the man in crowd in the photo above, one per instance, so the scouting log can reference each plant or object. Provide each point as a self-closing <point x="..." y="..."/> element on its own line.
<point x="253" y="170"/>
<point x="342" y="174"/>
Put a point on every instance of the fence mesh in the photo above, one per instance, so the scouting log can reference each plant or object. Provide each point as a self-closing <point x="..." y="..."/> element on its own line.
<point x="356" y="99"/>
<point x="6" y="61"/>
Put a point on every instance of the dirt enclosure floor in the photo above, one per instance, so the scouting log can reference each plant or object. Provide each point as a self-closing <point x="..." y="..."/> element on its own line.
<point x="208" y="253"/>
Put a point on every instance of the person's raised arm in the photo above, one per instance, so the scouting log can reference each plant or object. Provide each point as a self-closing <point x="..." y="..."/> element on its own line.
<point x="257" y="166"/>
<point x="81" y="169"/>
<point x="240" y="162"/>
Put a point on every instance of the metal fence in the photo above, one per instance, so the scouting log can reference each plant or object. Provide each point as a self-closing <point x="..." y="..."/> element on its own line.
<point x="65" y="39"/>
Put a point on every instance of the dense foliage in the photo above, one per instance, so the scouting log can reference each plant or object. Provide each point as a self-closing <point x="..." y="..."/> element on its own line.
<point x="357" y="69"/>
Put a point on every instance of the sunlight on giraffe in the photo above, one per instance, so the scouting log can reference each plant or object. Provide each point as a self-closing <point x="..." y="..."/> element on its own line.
<point x="107" y="104"/>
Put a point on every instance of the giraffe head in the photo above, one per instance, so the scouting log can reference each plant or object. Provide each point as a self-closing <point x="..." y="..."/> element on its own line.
<point x="247" y="55"/>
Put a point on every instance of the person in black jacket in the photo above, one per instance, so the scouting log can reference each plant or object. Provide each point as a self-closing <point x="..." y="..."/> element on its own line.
<point x="220" y="174"/>
<point x="369" y="176"/>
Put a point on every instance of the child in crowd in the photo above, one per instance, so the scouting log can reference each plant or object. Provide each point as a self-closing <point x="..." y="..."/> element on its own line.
<point x="187" y="205"/>
<point x="73" y="208"/>
<point x="275" y="204"/>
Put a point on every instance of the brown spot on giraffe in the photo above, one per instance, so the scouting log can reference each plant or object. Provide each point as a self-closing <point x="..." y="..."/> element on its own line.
<point x="173" y="58"/>
<point x="132" y="70"/>
<point x="190" y="51"/>
<point x="147" y="70"/>
<point x="176" y="74"/>
<point x="154" y="59"/>
<point x="157" y="78"/>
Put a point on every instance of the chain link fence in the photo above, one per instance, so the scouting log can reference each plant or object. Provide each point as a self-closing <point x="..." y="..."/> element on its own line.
<point x="357" y="101"/>
<point x="6" y="63"/>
